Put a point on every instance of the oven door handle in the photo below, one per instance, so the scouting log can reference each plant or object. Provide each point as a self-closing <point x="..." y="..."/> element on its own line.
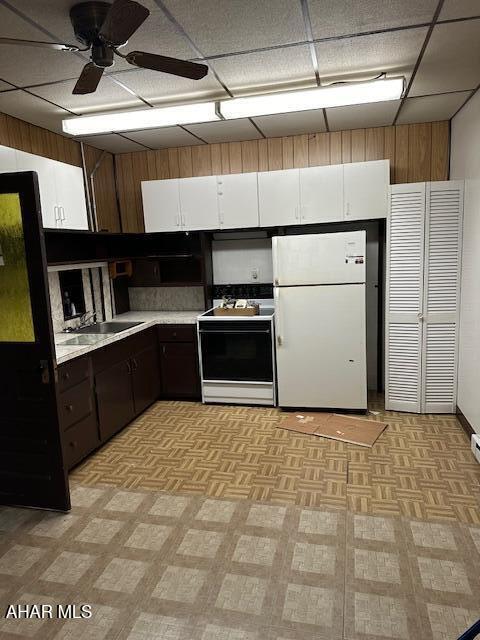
<point x="233" y="332"/>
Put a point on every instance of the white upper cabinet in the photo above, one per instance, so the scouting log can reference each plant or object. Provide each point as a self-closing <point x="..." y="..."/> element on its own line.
<point x="279" y="197"/>
<point x="46" y="184"/>
<point x="161" y="205"/>
<point x="62" y="191"/>
<point x="238" y="200"/>
<point x="70" y="196"/>
<point x="8" y="160"/>
<point x="321" y="194"/>
<point x="366" y="189"/>
<point x="311" y="195"/>
<point x="199" y="203"/>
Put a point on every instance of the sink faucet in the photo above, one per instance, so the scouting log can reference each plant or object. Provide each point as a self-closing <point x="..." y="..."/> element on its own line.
<point x="86" y="318"/>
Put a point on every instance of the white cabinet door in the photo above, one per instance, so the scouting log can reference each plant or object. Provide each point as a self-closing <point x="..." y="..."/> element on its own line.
<point x="161" y="205"/>
<point x="404" y="298"/>
<point x="441" y="297"/>
<point x="45" y="170"/>
<point x="238" y="200"/>
<point x="366" y="189"/>
<point x="8" y="160"/>
<point x="199" y="203"/>
<point x="71" y="196"/>
<point x="279" y="197"/>
<point x="321" y="194"/>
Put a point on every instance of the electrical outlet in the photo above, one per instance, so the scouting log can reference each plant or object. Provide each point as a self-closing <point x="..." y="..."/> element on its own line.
<point x="254" y="273"/>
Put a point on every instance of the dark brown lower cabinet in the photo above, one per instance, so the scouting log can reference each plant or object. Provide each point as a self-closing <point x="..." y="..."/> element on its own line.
<point x="115" y="404"/>
<point x="179" y="370"/>
<point x="179" y="361"/>
<point x="101" y="393"/>
<point x="145" y="378"/>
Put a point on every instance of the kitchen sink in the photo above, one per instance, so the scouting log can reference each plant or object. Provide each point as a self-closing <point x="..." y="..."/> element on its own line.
<point x="106" y="327"/>
<point x="84" y="339"/>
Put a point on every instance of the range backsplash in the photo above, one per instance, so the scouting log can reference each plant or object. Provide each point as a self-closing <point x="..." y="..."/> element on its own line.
<point x="247" y="290"/>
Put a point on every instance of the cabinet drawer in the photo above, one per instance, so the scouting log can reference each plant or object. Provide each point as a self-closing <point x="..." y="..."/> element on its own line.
<point x="71" y="373"/>
<point x="177" y="332"/>
<point x="75" y="403"/>
<point x="80" y="440"/>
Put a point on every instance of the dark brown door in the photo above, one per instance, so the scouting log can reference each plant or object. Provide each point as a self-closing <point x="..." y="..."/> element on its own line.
<point x="32" y="471"/>
<point x="146" y="378"/>
<point x="179" y="367"/>
<point x="114" y="398"/>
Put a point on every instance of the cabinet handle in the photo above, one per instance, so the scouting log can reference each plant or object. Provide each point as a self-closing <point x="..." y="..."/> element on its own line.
<point x="134" y="364"/>
<point x="296" y="213"/>
<point x="164" y="350"/>
<point x="63" y="214"/>
<point x="57" y="215"/>
<point x="347" y="210"/>
<point x="66" y="376"/>
<point x="73" y="444"/>
<point x="177" y="220"/>
<point x="69" y="408"/>
<point x="129" y="367"/>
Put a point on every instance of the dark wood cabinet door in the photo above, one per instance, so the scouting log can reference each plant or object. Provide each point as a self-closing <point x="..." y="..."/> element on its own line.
<point x="179" y="366"/>
<point x="145" y="378"/>
<point x="114" y="398"/>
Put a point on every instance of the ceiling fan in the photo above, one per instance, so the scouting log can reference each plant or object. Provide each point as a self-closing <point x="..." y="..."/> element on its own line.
<point x="104" y="28"/>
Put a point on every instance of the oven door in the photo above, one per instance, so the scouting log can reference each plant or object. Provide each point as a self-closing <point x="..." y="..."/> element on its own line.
<point x="236" y="350"/>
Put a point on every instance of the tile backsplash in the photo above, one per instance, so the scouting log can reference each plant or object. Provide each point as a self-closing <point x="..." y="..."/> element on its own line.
<point x="166" y="298"/>
<point x="93" y="278"/>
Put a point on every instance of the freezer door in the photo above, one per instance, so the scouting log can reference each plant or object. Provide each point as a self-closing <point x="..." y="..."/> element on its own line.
<point x="327" y="258"/>
<point x="321" y="346"/>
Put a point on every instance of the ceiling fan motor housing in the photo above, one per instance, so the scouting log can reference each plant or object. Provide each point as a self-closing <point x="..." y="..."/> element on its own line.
<point x="87" y="19"/>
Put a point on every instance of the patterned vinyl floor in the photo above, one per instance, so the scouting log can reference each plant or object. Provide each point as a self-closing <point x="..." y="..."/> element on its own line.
<point x="163" y="566"/>
<point x="421" y="466"/>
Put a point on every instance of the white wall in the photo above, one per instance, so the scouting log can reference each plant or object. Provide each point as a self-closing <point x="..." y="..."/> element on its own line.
<point x="465" y="164"/>
<point x="234" y="261"/>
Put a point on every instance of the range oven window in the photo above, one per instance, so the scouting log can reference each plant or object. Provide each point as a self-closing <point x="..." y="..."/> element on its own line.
<point x="237" y="350"/>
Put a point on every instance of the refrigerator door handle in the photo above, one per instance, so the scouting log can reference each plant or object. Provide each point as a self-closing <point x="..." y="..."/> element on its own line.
<point x="275" y="250"/>
<point x="276" y="297"/>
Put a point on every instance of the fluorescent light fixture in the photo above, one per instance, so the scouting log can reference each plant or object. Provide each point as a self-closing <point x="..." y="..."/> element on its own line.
<point x="141" y="119"/>
<point x="322" y="97"/>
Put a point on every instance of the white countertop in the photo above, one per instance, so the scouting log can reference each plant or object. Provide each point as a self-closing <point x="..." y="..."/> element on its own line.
<point x="147" y="318"/>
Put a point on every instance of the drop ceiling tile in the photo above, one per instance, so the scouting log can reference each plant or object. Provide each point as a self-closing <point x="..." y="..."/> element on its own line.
<point x="156" y="34"/>
<point x="360" y="116"/>
<point x="394" y="53"/>
<point x="220" y="27"/>
<point x="113" y="143"/>
<point x="248" y="72"/>
<point x="159" y="87"/>
<point x="291" y="124"/>
<point x="459" y="9"/>
<point x="334" y="18"/>
<point x="225" y="131"/>
<point x="451" y="61"/>
<point x="431" y="108"/>
<point x="31" y="65"/>
<point x="164" y="138"/>
<point x="6" y="86"/>
<point x="107" y="96"/>
<point x="31" y="109"/>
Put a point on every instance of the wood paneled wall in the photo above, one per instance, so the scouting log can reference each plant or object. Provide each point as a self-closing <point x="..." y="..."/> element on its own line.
<point x="417" y="153"/>
<point x="21" y="135"/>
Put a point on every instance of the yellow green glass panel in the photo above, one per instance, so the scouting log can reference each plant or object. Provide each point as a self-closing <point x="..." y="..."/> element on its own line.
<point x="16" y="321"/>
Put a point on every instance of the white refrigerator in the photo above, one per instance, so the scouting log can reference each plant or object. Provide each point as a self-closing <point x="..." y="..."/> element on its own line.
<point x="319" y="290"/>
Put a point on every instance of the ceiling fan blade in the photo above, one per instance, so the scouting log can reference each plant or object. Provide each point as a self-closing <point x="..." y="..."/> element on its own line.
<point x="123" y="19"/>
<point x="88" y="80"/>
<point x="167" y="65"/>
<point x="58" y="46"/>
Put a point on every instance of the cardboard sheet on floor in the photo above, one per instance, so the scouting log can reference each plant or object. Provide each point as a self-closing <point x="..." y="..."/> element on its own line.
<point x="335" y="426"/>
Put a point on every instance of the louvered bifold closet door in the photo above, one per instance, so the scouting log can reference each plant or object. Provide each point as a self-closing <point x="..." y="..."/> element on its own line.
<point x="443" y="243"/>
<point x="404" y="297"/>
